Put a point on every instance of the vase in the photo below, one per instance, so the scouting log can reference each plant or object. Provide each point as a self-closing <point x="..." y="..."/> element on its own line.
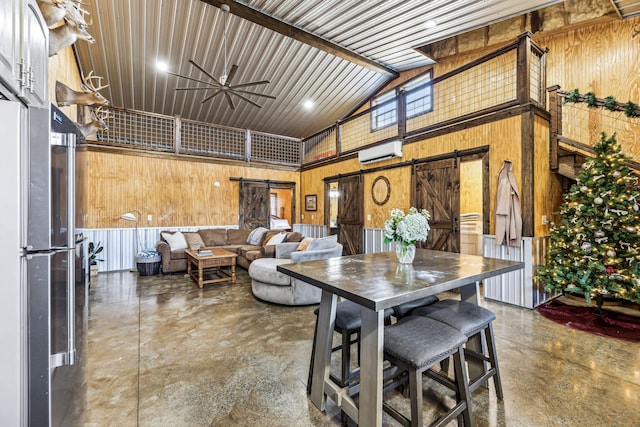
<point x="406" y="253"/>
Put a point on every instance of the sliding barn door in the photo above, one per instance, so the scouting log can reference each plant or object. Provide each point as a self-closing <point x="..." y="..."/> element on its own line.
<point x="437" y="189"/>
<point x="254" y="205"/>
<point x="351" y="214"/>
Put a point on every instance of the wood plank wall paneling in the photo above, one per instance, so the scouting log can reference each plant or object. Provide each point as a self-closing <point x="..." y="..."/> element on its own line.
<point x="602" y="58"/>
<point x="63" y="67"/>
<point x="503" y="136"/>
<point x="547" y="185"/>
<point x="471" y="186"/>
<point x="175" y="192"/>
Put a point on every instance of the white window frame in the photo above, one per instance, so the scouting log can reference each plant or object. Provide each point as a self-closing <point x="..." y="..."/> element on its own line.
<point x="423" y="101"/>
<point x="387" y="115"/>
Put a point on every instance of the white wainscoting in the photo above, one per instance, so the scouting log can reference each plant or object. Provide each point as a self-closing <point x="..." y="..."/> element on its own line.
<point x="374" y="241"/>
<point x="311" y="230"/>
<point x="120" y="243"/>
<point x="518" y="287"/>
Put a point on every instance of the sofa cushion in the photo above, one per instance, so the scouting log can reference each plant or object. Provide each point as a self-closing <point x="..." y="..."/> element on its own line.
<point x="175" y="240"/>
<point x="255" y="237"/>
<point x="304" y="244"/>
<point x="237" y="237"/>
<point x="194" y="241"/>
<point x="277" y="238"/>
<point x="243" y="249"/>
<point x="214" y="236"/>
<point x="294" y="236"/>
<point x="254" y="254"/>
<point x="323" y="243"/>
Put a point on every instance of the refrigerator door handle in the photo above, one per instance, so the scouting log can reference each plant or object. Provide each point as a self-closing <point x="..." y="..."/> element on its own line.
<point x="68" y="357"/>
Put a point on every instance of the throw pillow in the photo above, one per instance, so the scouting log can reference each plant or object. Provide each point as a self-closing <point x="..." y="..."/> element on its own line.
<point x="255" y="237"/>
<point x="323" y="243"/>
<point x="176" y="240"/>
<point x="278" y="238"/>
<point x="194" y="241"/>
<point x="304" y="244"/>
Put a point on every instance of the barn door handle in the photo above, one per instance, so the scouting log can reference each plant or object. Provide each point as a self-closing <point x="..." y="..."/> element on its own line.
<point x="455" y="225"/>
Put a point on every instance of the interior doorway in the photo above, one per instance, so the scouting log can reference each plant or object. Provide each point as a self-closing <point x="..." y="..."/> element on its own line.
<point x="267" y="204"/>
<point x="471" y="206"/>
<point x="332" y="207"/>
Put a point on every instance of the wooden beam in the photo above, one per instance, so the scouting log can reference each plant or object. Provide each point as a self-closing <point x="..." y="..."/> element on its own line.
<point x="273" y="24"/>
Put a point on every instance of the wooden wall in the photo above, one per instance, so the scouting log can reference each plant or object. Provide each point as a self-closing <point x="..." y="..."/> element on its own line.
<point x="63" y="67"/>
<point x="502" y="136"/>
<point x="471" y="186"/>
<point x="174" y="192"/>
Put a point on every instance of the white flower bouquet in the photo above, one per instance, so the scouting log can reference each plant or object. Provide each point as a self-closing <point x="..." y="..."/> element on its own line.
<point x="407" y="229"/>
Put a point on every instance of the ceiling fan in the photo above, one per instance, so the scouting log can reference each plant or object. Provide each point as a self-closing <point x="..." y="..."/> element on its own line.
<point x="223" y="84"/>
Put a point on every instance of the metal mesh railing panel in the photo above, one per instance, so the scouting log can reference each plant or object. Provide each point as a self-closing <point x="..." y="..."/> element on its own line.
<point x="134" y="129"/>
<point x="207" y="140"/>
<point x="320" y="146"/>
<point x="362" y="131"/>
<point x="275" y="149"/>
<point x="536" y="74"/>
<point x="486" y="85"/>
<point x="584" y="124"/>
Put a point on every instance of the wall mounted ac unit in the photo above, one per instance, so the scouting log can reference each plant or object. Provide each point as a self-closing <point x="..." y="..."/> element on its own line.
<point x="381" y="152"/>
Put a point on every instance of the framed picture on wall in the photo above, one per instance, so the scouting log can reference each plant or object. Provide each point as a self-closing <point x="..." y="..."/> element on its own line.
<point x="310" y="202"/>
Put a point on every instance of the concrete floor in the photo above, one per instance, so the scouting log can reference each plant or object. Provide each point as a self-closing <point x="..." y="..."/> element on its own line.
<point x="162" y="352"/>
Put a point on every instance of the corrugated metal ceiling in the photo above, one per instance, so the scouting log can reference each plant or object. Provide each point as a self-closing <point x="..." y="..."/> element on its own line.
<point x="133" y="34"/>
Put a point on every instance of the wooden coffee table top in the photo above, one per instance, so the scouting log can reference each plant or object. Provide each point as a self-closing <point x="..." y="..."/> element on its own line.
<point x="215" y="253"/>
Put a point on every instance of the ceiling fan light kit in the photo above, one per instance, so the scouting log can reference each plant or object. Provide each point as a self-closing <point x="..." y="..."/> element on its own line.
<point x="223" y="85"/>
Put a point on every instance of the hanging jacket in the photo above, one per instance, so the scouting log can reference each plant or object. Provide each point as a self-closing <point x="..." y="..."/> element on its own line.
<point x="508" y="213"/>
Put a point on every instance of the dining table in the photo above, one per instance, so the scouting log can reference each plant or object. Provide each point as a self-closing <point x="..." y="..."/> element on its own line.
<point x="376" y="281"/>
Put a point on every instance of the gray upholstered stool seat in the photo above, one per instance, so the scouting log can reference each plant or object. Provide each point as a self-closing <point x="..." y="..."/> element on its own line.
<point x="348" y="322"/>
<point x="405" y="309"/>
<point x="469" y="319"/>
<point x="414" y="344"/>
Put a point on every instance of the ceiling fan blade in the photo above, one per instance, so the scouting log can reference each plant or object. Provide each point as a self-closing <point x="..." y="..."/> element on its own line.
<point x="262" y="82"/>
<point x="192" y="79"/>
<point x="211" y="96"/>
<point x="193" y="88"/>
<point x="232" y="73"/>
<point x="254" y="93"/>
<point x="245" y="98"/>
<point x="204" y="71"/>
<point x="229" y="100"/>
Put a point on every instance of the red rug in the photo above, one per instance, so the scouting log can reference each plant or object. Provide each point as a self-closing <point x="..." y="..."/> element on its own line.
<point x="608" y="324"/>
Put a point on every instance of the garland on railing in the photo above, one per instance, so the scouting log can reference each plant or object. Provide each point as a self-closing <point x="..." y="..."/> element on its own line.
<point x="630" y="108"/>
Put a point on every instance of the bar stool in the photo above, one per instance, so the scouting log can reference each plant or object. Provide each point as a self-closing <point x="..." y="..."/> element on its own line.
<point x="469" y="319"/>
<point x="405" y="309"/>
<point x="414" y="344"/>
<point x="348" y="322"/>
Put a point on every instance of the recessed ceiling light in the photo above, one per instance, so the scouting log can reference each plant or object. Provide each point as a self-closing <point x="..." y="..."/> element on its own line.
<point x="308" y="104"/>
<point x="162" y="66"/>
<point x="430" y="24"/>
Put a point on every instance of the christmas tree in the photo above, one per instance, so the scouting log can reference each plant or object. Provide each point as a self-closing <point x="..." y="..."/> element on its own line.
<point x="595" y="249"/>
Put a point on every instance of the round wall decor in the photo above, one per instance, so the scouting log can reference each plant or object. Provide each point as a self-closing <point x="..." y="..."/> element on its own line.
<point x="381" y="190"/>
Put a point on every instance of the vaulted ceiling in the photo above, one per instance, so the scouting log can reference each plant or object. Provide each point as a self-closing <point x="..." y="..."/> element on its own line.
<point x="333" y="53"/>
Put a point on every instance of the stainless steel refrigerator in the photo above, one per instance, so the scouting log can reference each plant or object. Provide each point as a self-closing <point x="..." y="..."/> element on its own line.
<point x="42" y="302"/>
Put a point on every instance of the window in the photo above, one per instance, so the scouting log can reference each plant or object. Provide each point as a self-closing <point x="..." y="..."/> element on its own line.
<point x="387" y="112"/>
<point x="418" y="96"/>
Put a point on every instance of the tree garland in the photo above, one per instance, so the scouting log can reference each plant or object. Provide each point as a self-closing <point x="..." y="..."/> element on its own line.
<point x="610" y="103"/>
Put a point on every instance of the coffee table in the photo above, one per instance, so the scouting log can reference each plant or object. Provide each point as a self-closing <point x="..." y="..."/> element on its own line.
<point x="221" y="262"/>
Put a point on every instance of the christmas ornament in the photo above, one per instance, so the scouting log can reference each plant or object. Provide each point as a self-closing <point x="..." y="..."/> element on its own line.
<point x="609" y="270"/>
<point x="584" y="188"/>
<point x="631" y="229"/>
<point x="599" y="233"/>
<point x="616" y="174"/>
<point x="586" y="246"/>
<point x="611" y="253"/>
<point x="598" y="200"/>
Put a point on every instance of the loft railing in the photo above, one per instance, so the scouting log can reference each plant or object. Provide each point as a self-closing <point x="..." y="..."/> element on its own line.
<point x="511" y="76"/>
<point x="578" y="124"/>
<point x="155" y="132"/>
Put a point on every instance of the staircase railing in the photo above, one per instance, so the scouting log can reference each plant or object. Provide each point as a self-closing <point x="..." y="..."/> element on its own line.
<point x="577" y="121"/>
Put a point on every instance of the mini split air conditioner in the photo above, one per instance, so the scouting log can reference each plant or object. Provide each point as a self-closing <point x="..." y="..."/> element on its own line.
<point x="381" y="152"/>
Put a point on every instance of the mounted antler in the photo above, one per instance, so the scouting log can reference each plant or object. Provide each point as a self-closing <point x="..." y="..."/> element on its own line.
<point x="97" y="123"/>
<point x="88" y="96"/>
<point x="66" y="35"/>
<point x="75" y="13"/>
<point x="52" y="10"/>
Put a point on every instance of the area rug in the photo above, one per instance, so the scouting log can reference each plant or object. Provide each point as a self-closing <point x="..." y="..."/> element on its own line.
<point x="608" y="324"/>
